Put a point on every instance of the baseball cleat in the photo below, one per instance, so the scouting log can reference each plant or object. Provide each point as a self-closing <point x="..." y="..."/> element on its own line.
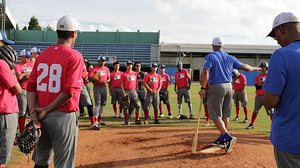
<point x="206" y="124"/>
<point x="229" y="144"/>
<point x="156" y="122"/>
<point x="191" y="116"/>
<point x="127" y="123"/>
<point x="96" y="126"/>
<point x="138" y="122"/>
<point x="161" y="115"/>
<point x="145" y="122"/>
<point x="245" y="121"/>
<point x="250" y="126"/>
<point x="236" y="119"/>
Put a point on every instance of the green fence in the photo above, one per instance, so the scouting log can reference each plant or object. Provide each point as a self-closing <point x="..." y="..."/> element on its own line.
<point x="88" y="37"/>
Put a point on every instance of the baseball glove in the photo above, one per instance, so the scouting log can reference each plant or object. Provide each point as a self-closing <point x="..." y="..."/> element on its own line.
<point x="28" y="138"/>
<point x="9" y="55"/>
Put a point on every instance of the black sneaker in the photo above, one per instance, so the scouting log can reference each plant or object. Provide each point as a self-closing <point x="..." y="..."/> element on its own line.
<point x="246" y="120"/>
<point x="250" y="126"/>
<point x="156" y="122"/>
<point x="126" y="123"/>
<point x="229" y="144"/>
<point x="138" y="122"/>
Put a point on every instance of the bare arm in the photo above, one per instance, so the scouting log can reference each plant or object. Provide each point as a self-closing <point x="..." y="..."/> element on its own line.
<point x="31" y="100"/>
<point x="204" y="77"/>
<point x="16" y="88"/>
<point x="248" y="68"/>
<point x="270" y="100"/>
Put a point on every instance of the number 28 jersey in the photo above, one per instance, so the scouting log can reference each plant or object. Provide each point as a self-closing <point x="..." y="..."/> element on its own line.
<point x="57" y="70"/>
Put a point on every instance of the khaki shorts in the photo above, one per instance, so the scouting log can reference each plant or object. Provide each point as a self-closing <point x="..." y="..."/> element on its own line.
<point x="240" y="96"/>
<point x="183" y="92"/>
<point x="219" y="100"/>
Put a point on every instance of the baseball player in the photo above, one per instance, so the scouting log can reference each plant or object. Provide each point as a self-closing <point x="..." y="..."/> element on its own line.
<point x="182" y="88"/>
<point x="85" y="98"/>
<point x="99" y="75"/>
<point x="239" y="83"/>
<point x="115" y="88"/>
<point x="9" y="87"/>
<point x="259" y="83"/>
<point x="22" y="72"/>
<point x="130" y="96"/>
<point x="141" y="88"/>
<point x="35" y="52"/>
<point x="153" y="83"/>
<point x="53" y="92"/>
<point x="164" y="93"/>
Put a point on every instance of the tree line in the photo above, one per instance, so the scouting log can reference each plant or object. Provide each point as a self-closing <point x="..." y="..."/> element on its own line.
<point x="33" y="24"/>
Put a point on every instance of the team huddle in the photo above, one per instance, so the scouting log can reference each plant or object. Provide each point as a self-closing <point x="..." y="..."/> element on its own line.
<point x="133" y="91"/>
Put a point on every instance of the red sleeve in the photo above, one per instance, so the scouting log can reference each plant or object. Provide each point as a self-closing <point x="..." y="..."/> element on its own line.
<point x="168" y="79"/>
<point x="74" y="74"/>
<point x="146" y="78"/>
<point x="17" y="69"/>
<point x="6" y="75"/>
<point x="31" y="85"/>
<point x="244" y="81"/>
<point x="84" y="72"/>
<point x="92" y="72"/>
<point x="108" y="74"/>
<point x="256" y="80"/>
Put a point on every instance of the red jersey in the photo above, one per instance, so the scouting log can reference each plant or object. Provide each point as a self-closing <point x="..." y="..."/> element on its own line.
<point x="8" y="99"/>
<point x="181" y="78"/>
<point x="153" y="81"/>
<point x="129" y="80"/>
<point x="24" y="69"/>
<point x="102" y="73"/>
<point x="57" y="70"/>
<point x="116" y="79"/>
<point x="165" y="78"/>
<point x="239" y="82"/>
<point x="260" y="80"/>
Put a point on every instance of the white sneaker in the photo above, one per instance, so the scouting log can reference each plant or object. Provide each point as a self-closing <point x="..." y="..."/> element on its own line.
<point x="121" y="115"/>
<point x="96" y="126"/>
<point x="161" y="115"/>
<point x="170" y="117"/>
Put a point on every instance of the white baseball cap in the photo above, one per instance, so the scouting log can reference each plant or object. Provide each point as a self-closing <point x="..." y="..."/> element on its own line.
<point x="282" y="18"/>
<point x="67" y="23"/>
<point x="217" y="41"/>
<point x="4" y="38"/>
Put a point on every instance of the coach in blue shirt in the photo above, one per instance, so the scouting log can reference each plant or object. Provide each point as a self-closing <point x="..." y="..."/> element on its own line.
<point x="217" y="71"/>
<point x="282" y="90"/>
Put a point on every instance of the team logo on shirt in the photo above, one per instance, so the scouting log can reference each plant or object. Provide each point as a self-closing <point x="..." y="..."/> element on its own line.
<point x="101" y="73"/>
<point x="153" y="79"/>
<point x="262" y="79"/>
<point x="180" y="76"/>
<point x="237" y="81"/>
<point x="131" y="78"/>
<point x="163" y="79"/>
<point x="27" y="69"/>
<point x="117" y="77"/>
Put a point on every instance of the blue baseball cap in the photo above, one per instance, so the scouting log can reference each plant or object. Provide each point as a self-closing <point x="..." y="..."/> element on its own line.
<point x="128" y="63"/>
<point x="179" y="64"/>
<point x="101" y="58"/>
<point x="154" y="64"/>
<point x="4" y="38"/>
<point x="35" y="50"/>
<point x="25" y="53"/>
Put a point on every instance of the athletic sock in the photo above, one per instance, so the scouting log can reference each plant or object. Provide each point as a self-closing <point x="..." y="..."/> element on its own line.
<point x="190" y="107"/>
<point x="254" y="115"/>
<point x="237" y="109"/>
<point x="206" y="113"/>
<point x="160" y="108"/>
<point x="169" y="108"/>
<point x="92" y="120"/>
<point x="146" y="113"/>
<point x="246" y="111"/>
<point x="137" y="116"/>
<point x="156" y="115"/>
<point x="120" y="109"/>
<point x="115" y="108"/>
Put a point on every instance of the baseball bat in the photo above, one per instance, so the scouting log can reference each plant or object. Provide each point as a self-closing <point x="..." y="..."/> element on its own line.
<point x="195" y="139"/>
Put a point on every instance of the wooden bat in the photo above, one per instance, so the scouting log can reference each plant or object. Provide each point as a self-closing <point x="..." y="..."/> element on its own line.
<point x="195" y="139"/>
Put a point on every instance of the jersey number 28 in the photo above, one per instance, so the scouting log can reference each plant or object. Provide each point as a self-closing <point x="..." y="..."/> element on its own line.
<point x="54" y="73"/>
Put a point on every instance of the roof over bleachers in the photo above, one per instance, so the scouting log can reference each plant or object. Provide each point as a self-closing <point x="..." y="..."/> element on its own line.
<point x="10" y="23"/>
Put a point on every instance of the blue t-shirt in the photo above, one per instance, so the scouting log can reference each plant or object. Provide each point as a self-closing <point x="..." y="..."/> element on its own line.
<point x="283" y="80"/>
<point x="220" y="64"/>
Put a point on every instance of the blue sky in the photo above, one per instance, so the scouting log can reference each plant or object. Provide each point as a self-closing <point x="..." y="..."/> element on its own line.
<point x="179" y="21"/>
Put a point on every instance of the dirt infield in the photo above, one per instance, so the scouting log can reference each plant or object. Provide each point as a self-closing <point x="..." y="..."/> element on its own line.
<point x="165" y="147"/>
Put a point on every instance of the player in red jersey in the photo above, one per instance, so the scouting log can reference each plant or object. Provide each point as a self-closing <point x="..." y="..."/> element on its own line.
<point x="9" y="87"/>
<point x="130" y="97"/>
<point x="239" y="83"/>
<point x="259" y="83"/>
<point x="182" y="88"/>
<point x="115" y="89"/>
<point x="153" y="83"/>
<point x="22" y="72"/>
<point x="164" y="93"/>
<point x="99" y="75"/>
<point x="35" y="52"/>
<point x="53" y="93"/>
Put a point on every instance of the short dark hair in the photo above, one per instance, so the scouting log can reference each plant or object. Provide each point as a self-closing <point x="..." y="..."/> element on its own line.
<point x="63" y="34"/>
<point x="137" y="63"/>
